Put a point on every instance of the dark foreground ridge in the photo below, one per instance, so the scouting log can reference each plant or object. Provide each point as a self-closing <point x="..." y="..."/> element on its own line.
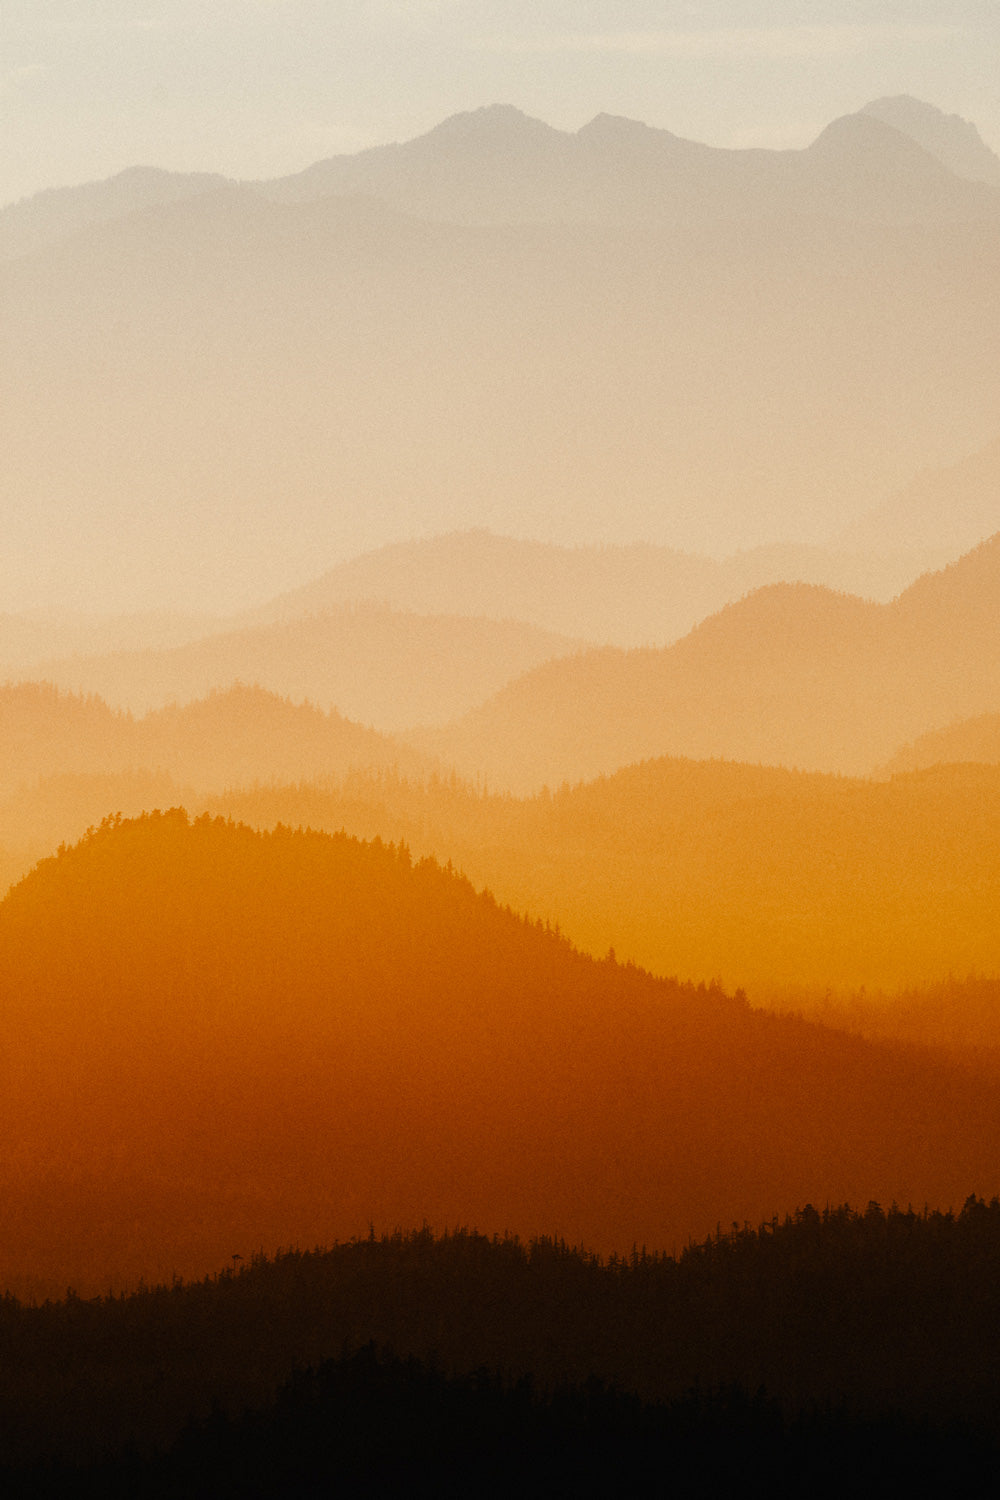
<point x="834" y="1348"/>
<point x="371" y="1422"/>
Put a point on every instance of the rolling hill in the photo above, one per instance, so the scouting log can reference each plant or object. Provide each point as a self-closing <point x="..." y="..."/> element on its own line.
<point x="793" y="674"/>
<point x="373" y="664"/>
<point x="229" y="738"/>
<point x="221" y="1039"/>
<point x="975" y="739"/>
<point x="622" y="596"/>
<point x="766" y="877"/>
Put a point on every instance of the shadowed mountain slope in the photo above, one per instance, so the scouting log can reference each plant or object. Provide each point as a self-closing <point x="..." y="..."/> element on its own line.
<point x="373" y="664"/>
<point x="793" y="674"/>
<point x="218" y="1038"/>
<point x="955" y="142"/>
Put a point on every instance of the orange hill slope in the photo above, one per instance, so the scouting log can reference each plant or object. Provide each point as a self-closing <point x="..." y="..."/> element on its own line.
<point x="975" y="739"/>
<point x="765" y="876"/>
<point x="230" y="738"/>
<point x="633" y="595"/>
<point x="759" y="874"/>
<point x="217" y="1040"/>
<point x="376" y="665"/>
<point x="793" y="674"/>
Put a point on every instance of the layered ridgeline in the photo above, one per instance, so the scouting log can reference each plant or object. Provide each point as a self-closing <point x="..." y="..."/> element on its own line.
<point x="967" y="740"/>
<point x="767" y="877"/>
<point x="376" y="665"/>
<point x="693" y="354"/>
<point x="793" y="674"/>
<point x="229" y="738"/>
<point x="764" y="876"/>
<point x="951" y="508"/>
<point x="637" y="595"/>
<point x="219" y="1040"/>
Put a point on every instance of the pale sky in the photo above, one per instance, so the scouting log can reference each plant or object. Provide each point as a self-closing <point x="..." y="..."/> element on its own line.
<point x="263" y="87"/>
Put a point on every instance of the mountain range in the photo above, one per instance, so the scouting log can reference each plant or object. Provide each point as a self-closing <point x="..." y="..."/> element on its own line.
<point x="229" y="738"/>
<point x="737" y="349"/>
<point x="220" y="1038"/>
<point x="376" y="665"/>
<point x="793" y="675"/>
<point x="624" y="596"/>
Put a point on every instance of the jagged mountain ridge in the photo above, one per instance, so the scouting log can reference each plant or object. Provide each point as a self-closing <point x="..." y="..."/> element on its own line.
<point x="496" y="164"/>
<point x="955" y="142"/>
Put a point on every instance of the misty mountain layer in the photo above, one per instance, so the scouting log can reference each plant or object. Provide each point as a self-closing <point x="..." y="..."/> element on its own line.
<point x="699" y="348"/>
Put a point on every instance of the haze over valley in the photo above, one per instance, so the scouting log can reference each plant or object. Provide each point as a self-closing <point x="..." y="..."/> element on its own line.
<point x="500" y="763"/>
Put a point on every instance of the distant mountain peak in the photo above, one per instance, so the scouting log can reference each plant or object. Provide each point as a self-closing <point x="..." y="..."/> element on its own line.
<point x="864" y="135"/>
<point x="955" y="142"/>
<point x="492" y="121"/>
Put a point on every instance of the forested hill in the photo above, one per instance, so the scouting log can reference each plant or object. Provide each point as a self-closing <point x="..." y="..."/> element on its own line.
<point x="219" y="1040"/>
<point x="232" y="736"/>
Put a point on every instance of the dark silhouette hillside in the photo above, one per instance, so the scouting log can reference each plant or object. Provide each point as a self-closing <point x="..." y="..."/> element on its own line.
<point x="837" y="1344"/>
<point x="793" y="674"/>
<point x="221" y="1039"/>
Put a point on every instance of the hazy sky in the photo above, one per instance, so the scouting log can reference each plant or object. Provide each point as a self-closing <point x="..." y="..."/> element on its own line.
<point x="260" y="87"/>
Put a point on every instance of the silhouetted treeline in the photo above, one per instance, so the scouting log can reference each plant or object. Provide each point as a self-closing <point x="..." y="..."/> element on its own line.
<point x="371" y="1422"/>
<point x="874" y="1331"/>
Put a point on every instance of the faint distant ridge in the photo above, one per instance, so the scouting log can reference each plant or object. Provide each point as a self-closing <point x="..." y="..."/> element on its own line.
<point x="970" y="740"/>
<point x="375" y="665"/>
<point x="496" y="164"/>
<point x="954" y="141"/>
<point x="34" y="222"/>
<point x="956" y="506"/>
<point x="230" y="737"/>
<point x="633" y="594"/>
<point x="898" y="160"/>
